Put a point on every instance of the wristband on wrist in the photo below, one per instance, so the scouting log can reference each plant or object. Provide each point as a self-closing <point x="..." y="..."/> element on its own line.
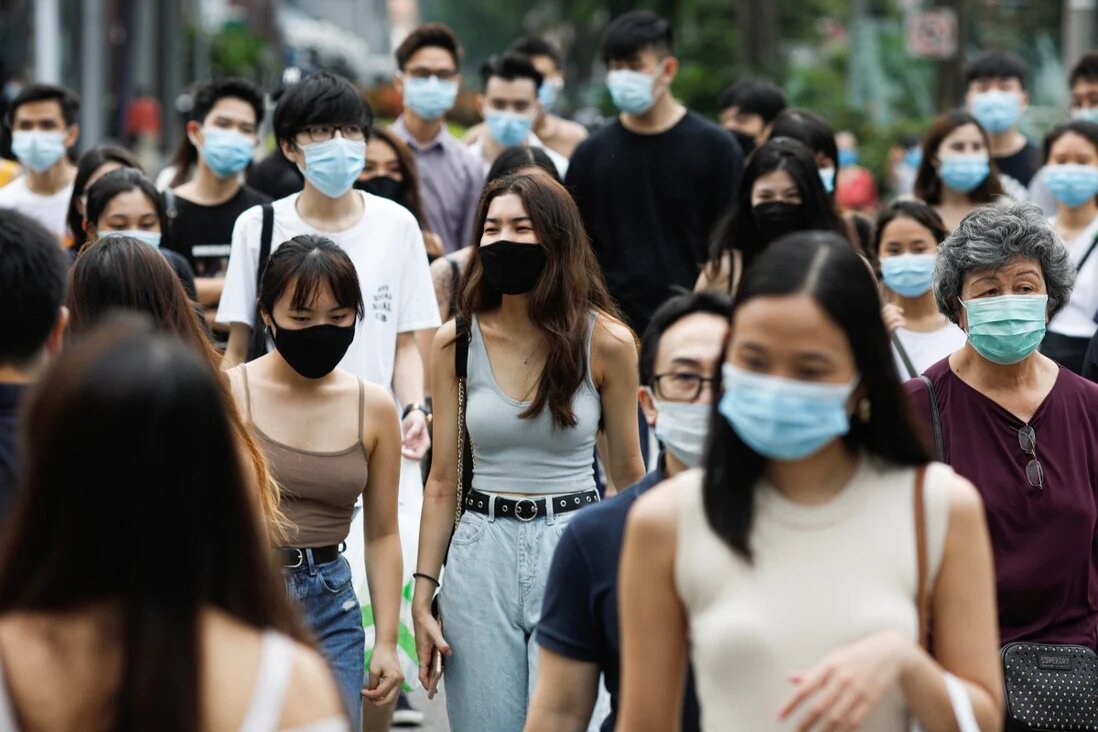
<point x="429" y="578"/>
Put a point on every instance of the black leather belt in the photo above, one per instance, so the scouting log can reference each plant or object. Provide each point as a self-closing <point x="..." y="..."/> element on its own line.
<point x="294" y="557"/>
<point x="528" y="509"/>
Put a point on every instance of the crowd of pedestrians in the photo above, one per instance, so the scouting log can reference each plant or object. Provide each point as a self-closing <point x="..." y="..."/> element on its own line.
<point x="661" y="425"/>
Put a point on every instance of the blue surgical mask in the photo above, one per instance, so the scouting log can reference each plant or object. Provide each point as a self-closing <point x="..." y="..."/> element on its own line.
<point x="334" y="165"/>
<point x="226" y="152"/>
<point x="1071" y="184"/>
<point x="152" y="238"/>
<point x="508" y="128"/>
<point x="549" y="91"/>
<point x="913" y="157"/>
<point x="964" y="173"/>
<point x="633" y="92"/>
<point x="1006" y="329"/>
<point x="847" y="157"/>
<point x="996" y="110"/>
<point x="38" y="150"/>
<point x="827" y="177"/>
<point x="1090" y="114"/>
<point x="908" y="275"/>
<point x="682" y="427"/>
<point x="429" y="98"/>
<point x="784" y="419"/>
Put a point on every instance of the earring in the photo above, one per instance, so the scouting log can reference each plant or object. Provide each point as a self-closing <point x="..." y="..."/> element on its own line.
<point x="865" y="410"/>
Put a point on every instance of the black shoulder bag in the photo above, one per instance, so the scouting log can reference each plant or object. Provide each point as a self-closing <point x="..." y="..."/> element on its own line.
<point x="257" y="346"/>
<point x="464" y="444"/>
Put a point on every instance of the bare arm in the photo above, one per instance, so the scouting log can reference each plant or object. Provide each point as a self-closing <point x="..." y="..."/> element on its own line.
<point x="439" y="498"/>
<point x="614" y="356"/>
<point x="564" y="696"/>
<point x="209" y="290"/>
<point x="408" y="387"/>
<point x="236" y="351"/>
<point x="384" y="570"/>
<point x="652" y="701"/>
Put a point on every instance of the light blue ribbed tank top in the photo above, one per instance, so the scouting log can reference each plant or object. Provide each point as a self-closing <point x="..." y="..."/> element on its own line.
<point x="532" y="456"/>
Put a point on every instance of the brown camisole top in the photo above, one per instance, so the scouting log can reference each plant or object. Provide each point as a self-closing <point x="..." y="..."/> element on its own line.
<point x="319" y="489"/>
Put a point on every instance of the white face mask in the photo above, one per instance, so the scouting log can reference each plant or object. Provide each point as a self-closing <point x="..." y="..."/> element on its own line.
<point x="682" y="427"/>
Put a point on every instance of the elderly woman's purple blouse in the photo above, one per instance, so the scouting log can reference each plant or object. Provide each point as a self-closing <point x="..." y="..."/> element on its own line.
<point x="1045" y="541"/>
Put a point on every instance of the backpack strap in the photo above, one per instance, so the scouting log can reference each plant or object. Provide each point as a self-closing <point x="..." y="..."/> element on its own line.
<point x="258" y="344"/>
<point x="935" y="419"/>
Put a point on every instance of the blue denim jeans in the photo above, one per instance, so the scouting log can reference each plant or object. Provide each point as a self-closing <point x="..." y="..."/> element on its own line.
<point x="326" y="597"/>
<point x="490" y="605"/>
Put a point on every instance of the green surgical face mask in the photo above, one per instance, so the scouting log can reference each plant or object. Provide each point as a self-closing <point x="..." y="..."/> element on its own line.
<point x="1006" y="329"/>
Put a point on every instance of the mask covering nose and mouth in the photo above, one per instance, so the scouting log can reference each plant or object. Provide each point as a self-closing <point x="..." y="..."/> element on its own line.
<point x="775" y="219"/>
<point x="682" y="428"/>
<point x="512" y="268"/>
<point x="315" y="351"/>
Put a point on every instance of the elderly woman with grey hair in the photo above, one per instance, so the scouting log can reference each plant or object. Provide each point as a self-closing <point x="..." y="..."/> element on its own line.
<point x="1016" y="424"/>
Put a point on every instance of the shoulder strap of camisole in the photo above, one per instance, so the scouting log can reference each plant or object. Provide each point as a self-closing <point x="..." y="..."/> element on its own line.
<point x="269" y="695"/>
<point x="361" y="411"/>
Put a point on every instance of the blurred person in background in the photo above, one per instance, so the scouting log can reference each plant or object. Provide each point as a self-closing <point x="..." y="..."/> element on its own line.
<point x="996" y="96"/>
<point x="956" y="173"/>
<point x="428" y="79"/>
<point x="855" y="188"/>
<point x="42" y="120"/>
<point x="93" y="165"/>
<point x="176" y="619"/>
<point x="748" y="107"/>
<point x="903" y="165"/>
<point x="510" y="105"/>
<point x="33" y="318"/>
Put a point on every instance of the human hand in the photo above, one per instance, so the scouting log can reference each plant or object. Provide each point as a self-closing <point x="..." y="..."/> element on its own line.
<point x="416" y="440"/>
<point x="385" y="675"/>
<point x="846" y="686"/>
<point x="893" y="316"/>
<point x="431" y="647"/>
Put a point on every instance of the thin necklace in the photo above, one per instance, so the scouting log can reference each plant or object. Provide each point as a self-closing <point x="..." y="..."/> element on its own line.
<point x="525" y="361"/>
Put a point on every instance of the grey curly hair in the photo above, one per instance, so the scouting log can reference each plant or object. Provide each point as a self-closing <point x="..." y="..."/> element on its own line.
<point x="992" y="236"/>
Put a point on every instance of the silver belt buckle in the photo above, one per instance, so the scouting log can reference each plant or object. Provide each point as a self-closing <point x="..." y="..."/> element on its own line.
<point x="300" y="558"/>
<point x="518" y="509"/>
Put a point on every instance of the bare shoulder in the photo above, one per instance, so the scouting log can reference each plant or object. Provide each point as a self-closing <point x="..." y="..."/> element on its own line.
<point x="965" y="504"/>
<point x="572" y="131"/>
<point x="444" y="336"/>
<point x="612" y="337"/>
<point x="655" y="515"/>
<point x="312" y="695"/>
<point x="377" y="400"/>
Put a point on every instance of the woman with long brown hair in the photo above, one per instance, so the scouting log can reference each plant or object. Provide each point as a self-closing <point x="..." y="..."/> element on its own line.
<point x="135" y="574"/>
<point x="548" y="361"/>
<point x="120" y="272"/>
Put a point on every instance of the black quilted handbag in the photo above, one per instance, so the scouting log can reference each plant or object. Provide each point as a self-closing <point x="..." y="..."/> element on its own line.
<point x="1050" y="687"/>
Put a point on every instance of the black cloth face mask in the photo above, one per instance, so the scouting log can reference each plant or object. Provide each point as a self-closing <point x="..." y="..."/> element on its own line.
<point x="513" y="269"/>
<point x="384" y="186"/>
<point x="747" y="142"/>
<point x="315" y="351"/>
<point x="775" y="219"/>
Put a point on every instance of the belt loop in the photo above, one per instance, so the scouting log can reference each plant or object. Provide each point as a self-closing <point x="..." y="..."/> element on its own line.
<point x="492" y="507"/>
<point x="550" y="510"/>
<point x="309" y="559"/>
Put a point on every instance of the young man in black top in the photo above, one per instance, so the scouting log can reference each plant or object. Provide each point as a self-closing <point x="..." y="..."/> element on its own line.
<point x="748" y="107"/>
<point x="651" y="184"/>
<point x="33" y="274"/>
<point x="223" y="130"/>
<point x="995" y="94"/>
<point x="578" y="631"/>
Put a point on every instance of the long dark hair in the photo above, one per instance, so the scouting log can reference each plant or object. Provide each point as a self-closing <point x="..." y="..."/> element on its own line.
<point x="928" y="184"/>
<point x="516" y="157"/>
<point x="409" y="174"/>
<point x="919" y="212"/>
<point x="824" y="266"/>
<point x="121" y="273"/>
<point x="570" y="287"/>
<point x="116" y="182"/>
<point x="132" y="494"/>
<point x="91" y="161"/>
<point x="737" y="229"/>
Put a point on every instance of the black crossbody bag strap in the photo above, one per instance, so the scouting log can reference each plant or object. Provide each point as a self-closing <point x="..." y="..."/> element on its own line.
<point x="1093" y="246"/>
<point x="257" y="346"/>
<point x="911" y="372"/>
<point x="935" y="419"/>
<point x="464" y="446"/>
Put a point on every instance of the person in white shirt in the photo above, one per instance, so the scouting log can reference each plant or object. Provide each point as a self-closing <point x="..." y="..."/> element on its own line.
<point x="321" y="124"/>
<point x="510" y="106"/>
<point x="43" y="127"/>
<point x="1071" y="174"/>
<point x="906" y="242"/>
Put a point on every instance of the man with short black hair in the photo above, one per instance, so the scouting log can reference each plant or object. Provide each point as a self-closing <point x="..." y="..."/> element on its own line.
<point x="509" y="105"/>
<point x="748" y="107"/>
<point x="33" y="277"/>
<point x="223" y="129"/>
<point x="450" y="176"/>
<point x="1083" y="82"/>
<point x="42" y="120"/>
<point x="578" y="631"/>
<point x="651" y="184"/>
<point x="995" y="94"/>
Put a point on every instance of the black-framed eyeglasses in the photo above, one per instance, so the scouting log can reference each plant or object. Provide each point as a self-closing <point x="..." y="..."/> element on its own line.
<point x="681" y="386"/>
<point x="323" y="133"/>
<point x="1035" y="474"/>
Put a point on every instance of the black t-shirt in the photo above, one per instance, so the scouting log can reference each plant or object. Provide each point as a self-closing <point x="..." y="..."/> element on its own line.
<point x="204" y="234"/>
<point x="1022" y="165"/>
<point x="579" y="614"/>
<point x="11" y="396"/>
<point x="182" y="270"/>
<point x="649" y="203"/>
<point x="275" y="176"/>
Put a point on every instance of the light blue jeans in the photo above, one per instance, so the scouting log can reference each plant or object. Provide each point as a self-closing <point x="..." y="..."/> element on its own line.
<point x="490" y="605"/>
